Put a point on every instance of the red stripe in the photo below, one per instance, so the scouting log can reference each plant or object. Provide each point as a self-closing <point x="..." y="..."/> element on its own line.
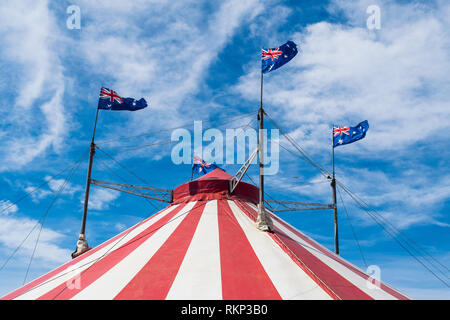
<point x="325" y="276"/>
<point x="243" y="276"/>
<point x="329" y="254"/>
<point x="154" y="280"/>
<point x="116" y="255"/>
<point x="62" y="268"/>
<point x="252" y="214"/>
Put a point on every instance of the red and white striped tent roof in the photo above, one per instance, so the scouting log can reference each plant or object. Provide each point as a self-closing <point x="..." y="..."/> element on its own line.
<point x="205" y="246"/>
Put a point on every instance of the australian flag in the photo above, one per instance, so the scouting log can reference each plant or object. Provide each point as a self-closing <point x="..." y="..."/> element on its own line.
<point x="346" y="135"/>
<point x="274" y="58"/>
<point x="200" y="167"/>
<point x="110" y="100"/>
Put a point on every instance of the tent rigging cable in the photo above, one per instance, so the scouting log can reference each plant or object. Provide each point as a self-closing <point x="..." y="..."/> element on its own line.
<point x="378" y="218"/>
<point x="353" y="230"/>
<point x="77" y="163"/>
<point x="411" y="240"/>
<point x="304" y="155"/>
<point x="230" y="119"/>
<point x="123" y="167"/>
<point x="348" y="218"/>
<point x="394" y="232"/>
<point x="110" y="251"/>
<point x="44" y="183"/>
<point x="122" y="149"/>
<point x="123" y="180"/>
<point x="60" y="190"/>
<point x="388" y="223"/>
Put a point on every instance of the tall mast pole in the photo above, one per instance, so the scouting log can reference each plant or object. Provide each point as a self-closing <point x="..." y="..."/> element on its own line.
<point x="82" y="245"/>
<point x="263" y="221"/>
<point x="261" y="147"/>
<point x="333" y="187"/>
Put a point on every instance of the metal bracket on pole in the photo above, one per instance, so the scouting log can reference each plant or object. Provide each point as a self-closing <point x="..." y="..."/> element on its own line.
<point x="163" y="195"/>
<point x="238" y="177"/>
<point x="283" y="206"/>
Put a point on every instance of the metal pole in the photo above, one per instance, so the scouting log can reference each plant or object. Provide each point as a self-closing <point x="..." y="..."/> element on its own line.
<point x="261" y="147"/>
<point x="82" y="245"/>
<point x="263" y="221"/>
<point x="88" y="187"/>
<point x="333" y="186"/>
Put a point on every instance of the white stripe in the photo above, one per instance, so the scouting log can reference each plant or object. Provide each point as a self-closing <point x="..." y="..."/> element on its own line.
<point x="344" y="271"/>
<point x="199" y="276"/>
<point x="288" y="278"/>
<point x="114" y="280"/>
<point x="339" y="258"/>
<point x="67" y="274"/>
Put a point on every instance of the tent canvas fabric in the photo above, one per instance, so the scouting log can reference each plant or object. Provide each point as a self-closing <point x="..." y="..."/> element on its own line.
<point x="205" y="246"/>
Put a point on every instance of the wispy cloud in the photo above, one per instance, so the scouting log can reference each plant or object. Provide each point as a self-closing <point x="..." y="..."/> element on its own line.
<point x="396" y="78"/>
<point x="36" y="120"/>
<point x="169" y="64"/>
<point x="15" y="227"/>
<point x="101" y="199"/>
<point x="54" y="186"/>
<point x="7" y="207"/>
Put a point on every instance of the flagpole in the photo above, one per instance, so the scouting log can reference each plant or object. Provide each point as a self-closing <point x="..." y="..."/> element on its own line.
<point x="333" y="186"/>
<point x="82" y="245"/>
<point x="263" y="221"/>
<point x="261" y="148"/>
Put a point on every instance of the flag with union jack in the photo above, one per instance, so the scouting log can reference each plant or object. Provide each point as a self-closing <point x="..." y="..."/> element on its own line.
<point x="110" y="100"/>
<point x="201" y="167"/>
<point x="346" y="135"/>
<point x="274" y="58"/>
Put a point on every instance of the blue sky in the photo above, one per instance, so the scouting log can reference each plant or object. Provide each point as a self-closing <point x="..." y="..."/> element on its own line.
<point x="200" y="60"/>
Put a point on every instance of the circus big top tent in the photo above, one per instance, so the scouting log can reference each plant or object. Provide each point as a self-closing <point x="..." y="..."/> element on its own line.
<point x="205" y="245"/>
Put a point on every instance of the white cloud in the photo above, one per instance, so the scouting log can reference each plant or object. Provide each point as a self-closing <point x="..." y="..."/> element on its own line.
<point x="54" y="186"/>
<point x="399" y="199"/>
<point x="7" y="207"/>
<point x="36" y="121"/>
<point x="101" y="199"/>
<point x="397" y="78"/>
<point x="166" y="55"/>
<point x="14" y="229"/>
<point x="37" y="195"/>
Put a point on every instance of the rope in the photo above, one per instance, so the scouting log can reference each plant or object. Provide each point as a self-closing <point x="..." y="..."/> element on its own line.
<point x="37" y="223"/>
<point x="353" y="230"/>
<point x="123" y="180"/>
<point x="407" y="239"/>
<point x="129" y="171"/>
<point x="375" y="216"/>
<point x="178" y="127"/>
<point x="305" y="155"/>
<point x="123" y="167"/>
<point x="109" y="251"/>
<point x="43" y="184"/>
<point x="392" y="233"/>
<point x="60" y="190"/>
<point x="165" y="142"/>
